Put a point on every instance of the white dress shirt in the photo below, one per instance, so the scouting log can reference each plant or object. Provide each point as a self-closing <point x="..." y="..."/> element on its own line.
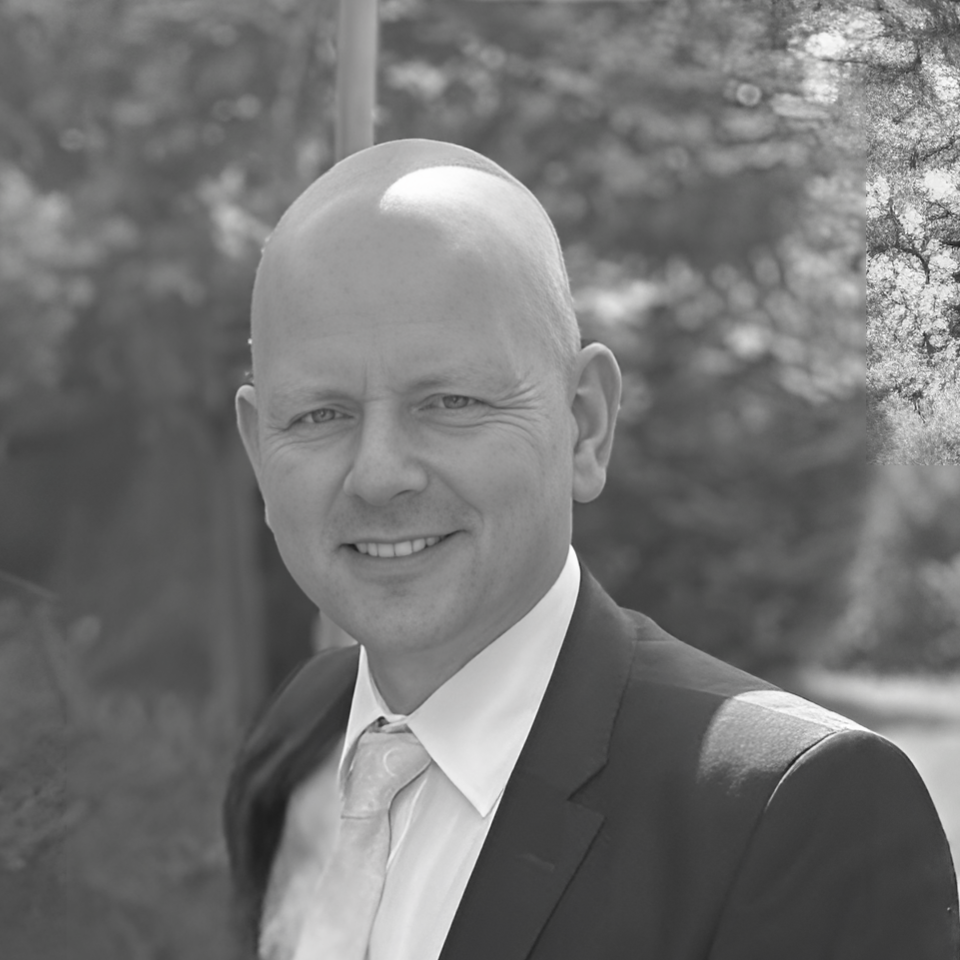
<point x="473" y="727"/>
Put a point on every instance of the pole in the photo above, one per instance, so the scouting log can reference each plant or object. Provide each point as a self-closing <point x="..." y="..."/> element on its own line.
<point x="356" y="75"/>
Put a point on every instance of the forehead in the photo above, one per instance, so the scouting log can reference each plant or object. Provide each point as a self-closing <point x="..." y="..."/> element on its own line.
<point x="395" y="277"/>
<point x="346" y="370"/>
<point x="393" y="360"/>
<point x="394" y="316"/>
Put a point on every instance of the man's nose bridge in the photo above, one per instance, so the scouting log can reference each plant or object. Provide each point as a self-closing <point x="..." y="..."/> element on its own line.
<point x="384" y="460"/>
<point x="383" y="436"/>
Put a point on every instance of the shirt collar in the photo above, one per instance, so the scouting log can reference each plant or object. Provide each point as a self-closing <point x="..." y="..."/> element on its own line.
<point x="474" y="725"/>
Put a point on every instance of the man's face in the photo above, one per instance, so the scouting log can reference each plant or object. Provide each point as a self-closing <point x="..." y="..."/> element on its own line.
<point x="413" y="443"/>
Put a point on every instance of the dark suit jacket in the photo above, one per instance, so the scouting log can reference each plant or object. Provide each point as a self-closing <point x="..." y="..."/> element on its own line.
<point x="666" y="806"/>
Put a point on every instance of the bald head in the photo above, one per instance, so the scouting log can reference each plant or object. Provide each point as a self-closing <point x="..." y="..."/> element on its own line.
<point x="457" y="207"/>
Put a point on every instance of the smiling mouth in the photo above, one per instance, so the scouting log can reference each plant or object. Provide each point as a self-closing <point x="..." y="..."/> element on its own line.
<point x="405" y="548"/>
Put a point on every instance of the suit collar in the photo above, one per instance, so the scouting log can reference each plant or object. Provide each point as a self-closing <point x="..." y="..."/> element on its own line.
<point x="540" y="833"/>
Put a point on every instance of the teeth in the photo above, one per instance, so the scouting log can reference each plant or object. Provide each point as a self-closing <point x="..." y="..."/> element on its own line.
<point x="403" y="549"/>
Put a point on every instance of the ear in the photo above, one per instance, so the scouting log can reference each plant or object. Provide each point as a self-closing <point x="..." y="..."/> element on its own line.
<point x="248" y="423"/>
<point x="596" y="401"/>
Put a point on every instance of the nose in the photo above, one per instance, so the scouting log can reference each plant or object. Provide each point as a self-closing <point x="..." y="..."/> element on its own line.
<point x="385" y="463"/>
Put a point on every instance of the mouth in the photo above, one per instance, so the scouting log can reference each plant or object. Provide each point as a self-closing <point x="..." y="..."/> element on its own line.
<point x="397" y="549"/>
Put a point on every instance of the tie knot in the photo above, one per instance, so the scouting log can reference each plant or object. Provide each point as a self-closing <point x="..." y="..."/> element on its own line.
<point x="383" y="764"/>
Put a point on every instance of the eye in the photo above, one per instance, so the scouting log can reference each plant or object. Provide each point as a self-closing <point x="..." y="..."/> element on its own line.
<point x="453" y="401"/>
<point x="323" y="415"/>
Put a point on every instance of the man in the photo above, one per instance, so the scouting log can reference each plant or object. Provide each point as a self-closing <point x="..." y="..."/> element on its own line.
<point x="509" y="765"/>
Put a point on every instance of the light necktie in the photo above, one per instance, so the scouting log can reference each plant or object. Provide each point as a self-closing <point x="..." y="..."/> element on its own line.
<point x="338" y="923"/>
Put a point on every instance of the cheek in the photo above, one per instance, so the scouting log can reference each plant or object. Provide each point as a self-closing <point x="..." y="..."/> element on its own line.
<point x="519" y="481"/>
<point x="294" y="487"/>
<point x="552" y="462"/>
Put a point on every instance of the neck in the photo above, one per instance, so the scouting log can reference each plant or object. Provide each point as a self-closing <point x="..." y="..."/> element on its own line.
<point x="405" y="682"/>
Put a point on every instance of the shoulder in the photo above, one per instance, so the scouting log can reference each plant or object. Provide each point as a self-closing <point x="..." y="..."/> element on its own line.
<point x="305" y="712"/>
<point x="726" y="724"/>
<point x="735" y="757"/>
<point x="680" y="712"/>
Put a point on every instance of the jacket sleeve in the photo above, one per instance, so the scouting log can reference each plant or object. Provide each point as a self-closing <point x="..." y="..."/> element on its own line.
<point x="848" y="862"/>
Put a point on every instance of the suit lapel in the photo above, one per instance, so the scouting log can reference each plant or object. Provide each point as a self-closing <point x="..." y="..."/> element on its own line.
<point x="540" y="833"/>
<point x="301" y="724"/>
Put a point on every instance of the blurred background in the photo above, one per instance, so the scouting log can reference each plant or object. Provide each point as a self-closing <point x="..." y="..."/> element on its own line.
<point x="703" y="161"/>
